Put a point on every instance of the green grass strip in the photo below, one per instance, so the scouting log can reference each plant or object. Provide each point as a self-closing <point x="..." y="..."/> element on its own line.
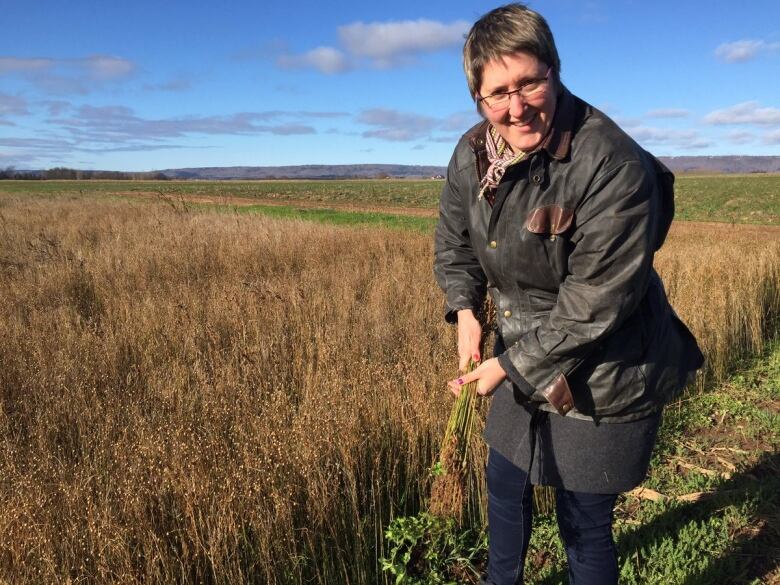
<point x="329" y="216"/>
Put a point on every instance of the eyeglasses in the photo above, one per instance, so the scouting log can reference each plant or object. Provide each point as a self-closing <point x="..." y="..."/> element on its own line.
<point x="528" y="89"/>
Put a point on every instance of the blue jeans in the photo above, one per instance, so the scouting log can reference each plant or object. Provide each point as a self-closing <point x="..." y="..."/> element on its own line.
<point x="584" y="522"/>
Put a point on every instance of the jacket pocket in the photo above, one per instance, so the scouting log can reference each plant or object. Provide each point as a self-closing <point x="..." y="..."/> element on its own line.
<point x="549" y="225"/>
<point x="550" y="220"/>
<point x="613" y="376"/>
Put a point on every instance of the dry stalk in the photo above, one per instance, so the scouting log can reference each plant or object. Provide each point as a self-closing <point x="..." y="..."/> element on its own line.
<point x="196" y="397"/>
<point x="455" y="460"/>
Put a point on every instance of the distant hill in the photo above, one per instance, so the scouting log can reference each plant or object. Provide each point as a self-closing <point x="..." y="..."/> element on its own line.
<point x="723" y="164"/>
<point x="309" y="172"/>
<point x="688" y="164"/>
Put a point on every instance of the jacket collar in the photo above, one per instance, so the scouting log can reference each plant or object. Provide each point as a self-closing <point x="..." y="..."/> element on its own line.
<point x="556" y="143"/>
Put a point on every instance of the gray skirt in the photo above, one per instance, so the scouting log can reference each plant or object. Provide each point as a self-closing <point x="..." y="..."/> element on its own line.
<point x="574" y="454"/>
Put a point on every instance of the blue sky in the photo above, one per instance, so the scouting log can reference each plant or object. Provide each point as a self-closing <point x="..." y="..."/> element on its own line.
<point x="151" y="85"/>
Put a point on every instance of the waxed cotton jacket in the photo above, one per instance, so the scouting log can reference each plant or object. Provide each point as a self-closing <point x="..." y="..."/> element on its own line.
<point x="566" y="252"/>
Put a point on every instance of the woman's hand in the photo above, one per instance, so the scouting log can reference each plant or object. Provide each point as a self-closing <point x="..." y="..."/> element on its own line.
<point x="489" y="375"/>
<point x="469" y="337"/>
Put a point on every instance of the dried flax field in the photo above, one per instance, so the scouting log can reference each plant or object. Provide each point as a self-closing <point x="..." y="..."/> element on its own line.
<point x="215" y="398"/>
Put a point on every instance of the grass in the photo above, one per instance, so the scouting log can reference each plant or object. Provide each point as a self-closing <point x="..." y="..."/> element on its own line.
<point x="331" y="216"/>
<point x="731" y="535"/>
<point x="753" y="199"/>
<point x="411" y="193"/>
<point x="224" y="397"/>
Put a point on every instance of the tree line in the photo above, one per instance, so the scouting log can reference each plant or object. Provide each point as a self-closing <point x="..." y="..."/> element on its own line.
<point x="60" y="173"/>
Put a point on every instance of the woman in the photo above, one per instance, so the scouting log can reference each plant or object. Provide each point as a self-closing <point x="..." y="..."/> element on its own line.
<point x="557" y="213"/>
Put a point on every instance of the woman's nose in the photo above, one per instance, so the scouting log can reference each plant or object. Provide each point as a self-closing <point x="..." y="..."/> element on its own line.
<point x="516" y="105"/>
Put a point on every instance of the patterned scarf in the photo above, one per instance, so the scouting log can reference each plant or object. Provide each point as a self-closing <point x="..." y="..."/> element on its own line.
<point x="501" y="157"/>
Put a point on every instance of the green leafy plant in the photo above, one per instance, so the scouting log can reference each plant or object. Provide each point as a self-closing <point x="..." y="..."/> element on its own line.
<point x="430" y="550"/>
<point x="437" y="546"/>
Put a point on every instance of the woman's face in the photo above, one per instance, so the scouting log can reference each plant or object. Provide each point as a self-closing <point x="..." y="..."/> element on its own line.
<point x="524" y="122"/>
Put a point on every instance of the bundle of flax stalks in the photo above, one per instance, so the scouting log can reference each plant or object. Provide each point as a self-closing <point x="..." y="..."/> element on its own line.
<point x="452" y="472"/>
<point x="446" y="543"/>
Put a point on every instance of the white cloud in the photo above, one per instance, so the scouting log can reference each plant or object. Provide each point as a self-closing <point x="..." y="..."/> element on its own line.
<point x="176" y="84"/>
<point x="668" y="113"/>
<point x="22" y="65"/>
<point x="117" y="128"/>
<point x="55" y="107"/>
<point x="627" y="121"/>
<point x="104" y="67"/>
<point x="115" y="124"/>
<point x="685" y="139"/>
<point x="387" y="43"/>
<point x="745" y="113"/>
<point x="27" y="152"/>
<point x="324" y="59"/>
<point x="744" y="50"/>
<point x="452" y="139"/>
<point x="396" y="126"/>
<point x="64" y="76"/>
<point x="460" y="121"/>
<point x="740" y="137"/>
<point x="378" y="44"/>
<point x="11" y="105"/>
<point x="738" y="51"/>
<point x="100" y="67"/>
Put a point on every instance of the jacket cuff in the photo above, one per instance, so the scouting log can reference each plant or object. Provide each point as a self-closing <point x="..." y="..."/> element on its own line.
<point x="517" y="379"/>
<point x="451" y="315"/>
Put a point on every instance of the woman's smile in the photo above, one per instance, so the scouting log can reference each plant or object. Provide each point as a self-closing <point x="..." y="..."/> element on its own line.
<point x="528" y="120"/>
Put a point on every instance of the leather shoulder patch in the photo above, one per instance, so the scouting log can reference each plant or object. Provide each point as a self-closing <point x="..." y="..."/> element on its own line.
<point x="550" y="219"/>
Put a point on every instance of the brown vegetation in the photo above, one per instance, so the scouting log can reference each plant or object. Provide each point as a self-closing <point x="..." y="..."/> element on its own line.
<point x="724" y="281"/>
<point x="195" y="397"/>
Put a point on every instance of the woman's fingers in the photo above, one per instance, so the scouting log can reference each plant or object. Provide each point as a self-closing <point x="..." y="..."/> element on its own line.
<point x="488" y="375"/>
<point x="468" y="350"/>
<point x="454" y="385"/>
<point x="467" y="357"/>
<point x="469" y="337"/>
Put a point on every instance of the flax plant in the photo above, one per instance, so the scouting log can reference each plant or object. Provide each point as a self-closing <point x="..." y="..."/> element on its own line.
<point x="455" y="464"/>
<point x="188" y="396"/>
<point x="447" y="541"/>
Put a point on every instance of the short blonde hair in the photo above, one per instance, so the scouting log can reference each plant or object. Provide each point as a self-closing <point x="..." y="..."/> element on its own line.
<point x="506" y="30"/>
